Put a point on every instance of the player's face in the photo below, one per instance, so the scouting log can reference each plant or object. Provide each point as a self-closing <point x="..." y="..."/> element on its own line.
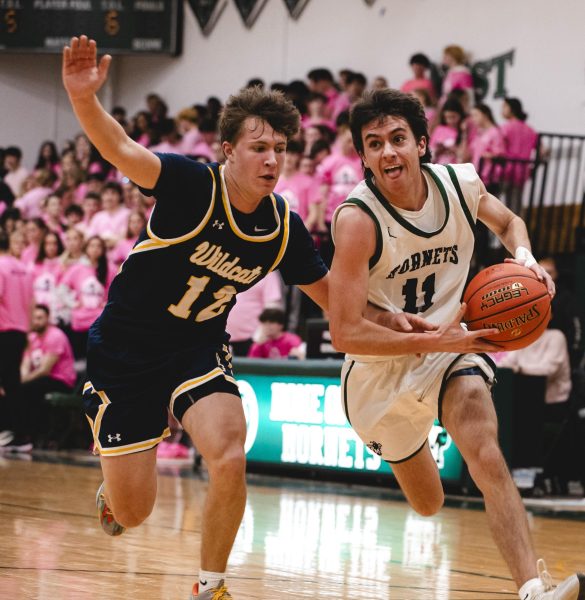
<point x="392" y="153"/>
<point x="256" y="159"/>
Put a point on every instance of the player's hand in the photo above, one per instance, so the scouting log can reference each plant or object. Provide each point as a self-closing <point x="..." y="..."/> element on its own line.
<point x="82" y="75"/>
<point x="451" y="337"/>
<point x="406" y="322"/>
<point x="540" y="273"/>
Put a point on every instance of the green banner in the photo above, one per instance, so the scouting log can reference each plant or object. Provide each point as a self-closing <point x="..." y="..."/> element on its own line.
<point x="294" y="418"/>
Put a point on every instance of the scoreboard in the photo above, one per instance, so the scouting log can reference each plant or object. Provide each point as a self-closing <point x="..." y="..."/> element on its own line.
<point x="118" y="26"/>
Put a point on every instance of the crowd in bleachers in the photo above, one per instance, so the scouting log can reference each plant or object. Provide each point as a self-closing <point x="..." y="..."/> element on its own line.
<point x="71" y="220"/>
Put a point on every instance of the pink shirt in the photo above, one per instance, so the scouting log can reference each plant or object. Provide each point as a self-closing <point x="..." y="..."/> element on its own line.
<point x="342" y="102"/>
<point x="520" y="140"/>
<point x="278" y="348"/>
<point x="109" y="225"/>
<point x="341" y="174"/>
<point x="300" y="190"/>
<point x="488" y="142"/>
<point x="458" y="78"/>
<point x="89" y="294"/>
<point x="30" y="203"/>
<point x="16" y="294"/>
<point x="52" y="341"/>
<point x="29" y="254"/>
<point x="121" y="250"/>
<point x="189" y="140"/>
<point x="242" y="321"/>
<point x="46" y="276"/>
<point x="167" y="147"/>
<point x="443" y="144"/>
<point x="418" y="84"/>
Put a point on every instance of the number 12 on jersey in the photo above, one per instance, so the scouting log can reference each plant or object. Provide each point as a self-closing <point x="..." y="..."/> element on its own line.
<point x="196" y="285"/>
<point x="410" y="293"/>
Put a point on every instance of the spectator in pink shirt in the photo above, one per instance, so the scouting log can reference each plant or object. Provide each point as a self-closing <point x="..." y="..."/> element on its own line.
<point x="30" y="203"/>
<point x="86" y="289"/>
<point x="316" y="109"/>
<point x="73" y="242"/>
<point x="53" y="213"/>
<point x="356" y="84"/>
<point x="47" y="366"/>
<point x="16" y="173"/>
<point x="520" y="140"/>
<point x="446" y="139"/>
<point x="35" y="230"/>
<point x="16" y="245"/>
<point x="299" y="189"/>
<point x="243" y="320"/>
<point x="204" y="148"/>
<point x="48" y="158"/>
<point x="338" y="174"/>
<point x="321" y="81"/>
<point x="16" y="301"/>
<point x="47" y="271"/>
<point x="120" y="252"/>
<point x="142" y="130"/>
<point x="111" y="223"/>
<point x="73" y="216"/>
<point x="276" y="343"/>
<point x="458" y="74"/>
<point x="420" y="64"/>
<point x="170" y="138"/>
<point x="187" y="121"/>
<point x="91" y="205"/>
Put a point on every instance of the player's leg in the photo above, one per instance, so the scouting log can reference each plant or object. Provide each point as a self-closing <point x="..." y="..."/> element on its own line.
<point x="419" y="479"/>
<point x="130" y="486"/>
<point x="217" y="426"/>
<point x="470" y="418"/>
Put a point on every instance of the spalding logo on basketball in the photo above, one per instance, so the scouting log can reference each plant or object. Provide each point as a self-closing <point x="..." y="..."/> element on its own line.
<point x="510" y="298"/>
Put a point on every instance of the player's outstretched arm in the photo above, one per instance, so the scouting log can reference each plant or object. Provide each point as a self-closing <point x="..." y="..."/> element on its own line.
<point x="512" y="232"/>
<point x="83" y="76"/>
<point x="351" y="331"/>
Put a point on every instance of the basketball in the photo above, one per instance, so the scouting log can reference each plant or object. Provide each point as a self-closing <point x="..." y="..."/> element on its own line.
<point x="510" y="298"/>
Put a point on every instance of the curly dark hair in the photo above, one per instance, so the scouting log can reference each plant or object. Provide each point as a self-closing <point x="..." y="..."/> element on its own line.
<point x="270" y="106"/>
<point x="379" y="104"/>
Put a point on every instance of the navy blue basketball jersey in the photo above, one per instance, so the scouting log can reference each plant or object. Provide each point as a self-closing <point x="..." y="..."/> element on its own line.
<point x="176" y="292"/>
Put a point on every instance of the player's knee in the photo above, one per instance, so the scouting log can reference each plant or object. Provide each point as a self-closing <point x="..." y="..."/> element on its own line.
<point x="487" y="464"/>
<point x="131" y="515"/>
<point x="427" y="507"/>
<point x="230" y="465"/>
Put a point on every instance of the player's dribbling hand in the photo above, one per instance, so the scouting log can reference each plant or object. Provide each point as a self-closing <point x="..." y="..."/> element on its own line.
<point x="451" y="337"/>
<point x="540" y="272"/>
<point x="82" y="75"/>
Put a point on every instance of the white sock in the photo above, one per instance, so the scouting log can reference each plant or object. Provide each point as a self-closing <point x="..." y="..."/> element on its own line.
<point x="530" y="587"/>
<point x="209" y="579"/>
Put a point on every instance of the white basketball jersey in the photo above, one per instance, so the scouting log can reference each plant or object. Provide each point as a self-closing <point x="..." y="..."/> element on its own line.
<point x="422" y="258"/>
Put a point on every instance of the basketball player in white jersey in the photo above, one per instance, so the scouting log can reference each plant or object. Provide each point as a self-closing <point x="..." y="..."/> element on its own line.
<point x="415" y="225"/>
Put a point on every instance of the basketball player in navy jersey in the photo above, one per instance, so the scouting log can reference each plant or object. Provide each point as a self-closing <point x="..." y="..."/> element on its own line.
<point x="415" y="222"/>
<point x="160" y="343"/>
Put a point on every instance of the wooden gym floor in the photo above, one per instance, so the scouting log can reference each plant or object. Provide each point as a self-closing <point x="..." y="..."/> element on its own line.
<point x="298" y="539"/>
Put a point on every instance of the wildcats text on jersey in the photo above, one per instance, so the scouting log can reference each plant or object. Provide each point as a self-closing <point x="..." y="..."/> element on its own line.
<point x="215" y="259"/>
<point x="434" y="256"/>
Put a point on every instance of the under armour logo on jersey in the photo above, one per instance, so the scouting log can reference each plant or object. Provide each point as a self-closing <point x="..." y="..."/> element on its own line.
<point x="390" y="234"/>
<point x="115" y="438"/>
<point x="218" y="224"/>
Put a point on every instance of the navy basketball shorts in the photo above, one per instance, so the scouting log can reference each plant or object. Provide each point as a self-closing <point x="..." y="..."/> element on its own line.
<point x="128" y="395"/>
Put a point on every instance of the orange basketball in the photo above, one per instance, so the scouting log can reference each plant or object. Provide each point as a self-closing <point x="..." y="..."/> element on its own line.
<point x="510" y="298"/>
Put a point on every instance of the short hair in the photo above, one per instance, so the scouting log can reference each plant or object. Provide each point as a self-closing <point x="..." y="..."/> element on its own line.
<point x="319" y="146"/>
<point x="320" y="74"/>
<point x="357" y="78"/>
<point x="13" y="151"/>
<point x="256" y="82"/>
<point x="113" y="185"/>
<point x="420" y="59"/>
<point x="273" y="107"/>
<point x="73" y="209"/>
<point x="272" y="315"/>
<point x="379" y="104"/>
<point x="44" y="308"/>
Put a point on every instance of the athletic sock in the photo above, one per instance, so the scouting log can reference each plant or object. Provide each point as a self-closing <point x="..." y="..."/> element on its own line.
<point x="209" y="579"/>
<point x="530" y="587"/>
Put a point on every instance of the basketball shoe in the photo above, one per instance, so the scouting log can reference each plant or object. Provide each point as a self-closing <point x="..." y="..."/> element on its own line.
<point x="572" y="588"/>
<point x="217" y="593"/>
<point x="107" y="520"/>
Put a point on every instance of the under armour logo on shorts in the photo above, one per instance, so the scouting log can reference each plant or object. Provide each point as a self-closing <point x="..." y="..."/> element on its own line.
<point x="218" y="224"/>
<point x="375" y="447"/>
<point x="115" y="438"/>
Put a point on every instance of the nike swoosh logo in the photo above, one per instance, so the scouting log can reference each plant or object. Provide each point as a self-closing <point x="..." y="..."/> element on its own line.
<point x="258" y="230"/>
<point x="203" y="582"/>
